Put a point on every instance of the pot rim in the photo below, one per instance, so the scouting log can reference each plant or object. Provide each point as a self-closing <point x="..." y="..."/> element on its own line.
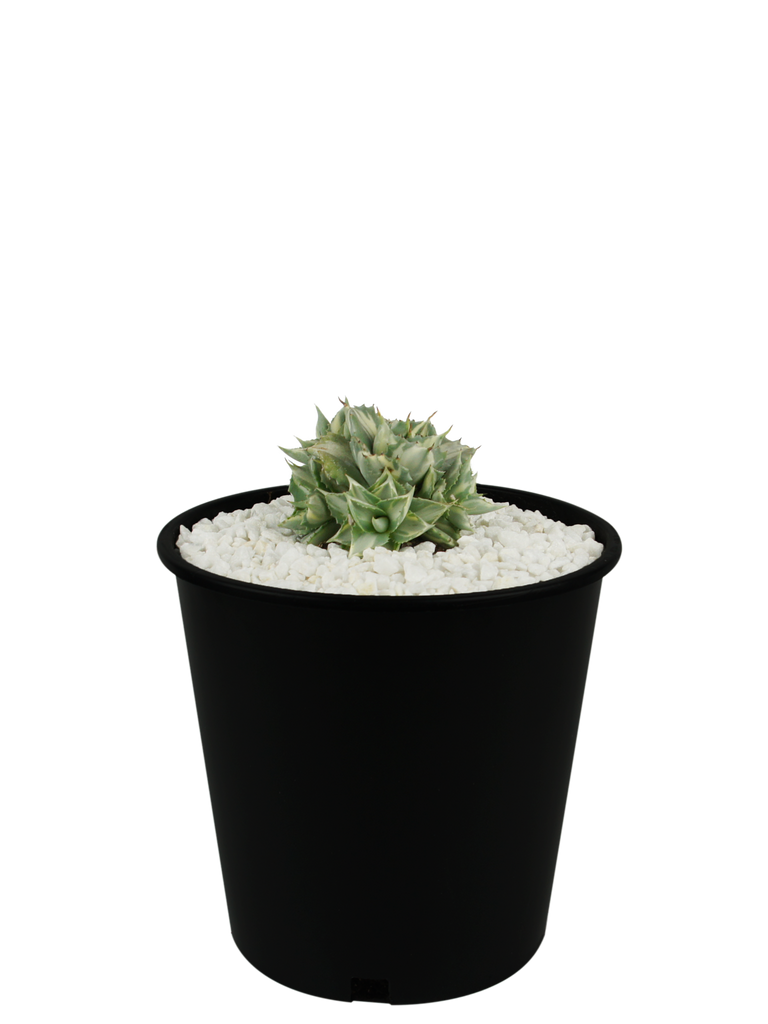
<point x="570" y="514"/>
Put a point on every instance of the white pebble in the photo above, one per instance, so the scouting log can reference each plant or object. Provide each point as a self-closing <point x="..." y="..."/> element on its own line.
<point x="511" y="547"/>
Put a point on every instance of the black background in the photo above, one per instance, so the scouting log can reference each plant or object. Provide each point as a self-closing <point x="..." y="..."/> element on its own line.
<point x="558" y="420"/>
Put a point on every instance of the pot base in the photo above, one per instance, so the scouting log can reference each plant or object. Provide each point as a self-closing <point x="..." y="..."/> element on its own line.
<point x="379" y="991"/>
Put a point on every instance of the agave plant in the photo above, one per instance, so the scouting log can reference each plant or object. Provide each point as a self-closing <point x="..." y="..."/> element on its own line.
<point x="367" y="482"/>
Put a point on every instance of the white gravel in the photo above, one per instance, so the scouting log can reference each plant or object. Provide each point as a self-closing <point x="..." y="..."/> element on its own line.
<point x="509" y="548"/>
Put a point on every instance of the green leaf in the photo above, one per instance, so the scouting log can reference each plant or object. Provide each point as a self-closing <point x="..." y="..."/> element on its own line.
<point x="365" y="539"/>
<point x="476" y="504"/>
<point x="337" y="460"/>
<point x="410" y="528"/>
<point x="438" y="536"/>
<point x="343" y="536"/>
<point x="337" y="505"/>
<point x="362" y="513"/>
<point x="397" y="508"/>
<point x="322" y="424"/>
<point x="321" y="534"/>
<point x="428" y="511"/>
<point x="298" y="455"/>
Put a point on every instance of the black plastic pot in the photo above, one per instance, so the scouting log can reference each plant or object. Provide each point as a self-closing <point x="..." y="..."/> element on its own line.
<point x="388" y="775"/>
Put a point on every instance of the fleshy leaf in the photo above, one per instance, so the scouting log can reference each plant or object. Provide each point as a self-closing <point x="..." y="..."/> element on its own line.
<point x="401" y="475"/>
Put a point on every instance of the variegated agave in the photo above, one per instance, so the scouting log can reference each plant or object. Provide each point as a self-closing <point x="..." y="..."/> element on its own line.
<point x="367" y="482"/>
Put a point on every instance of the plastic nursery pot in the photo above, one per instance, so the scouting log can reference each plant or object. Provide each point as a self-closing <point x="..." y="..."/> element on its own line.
<point x="388" y="775"/>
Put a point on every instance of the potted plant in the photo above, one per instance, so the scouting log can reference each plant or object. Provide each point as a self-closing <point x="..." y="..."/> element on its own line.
<point x="388" y="769"/>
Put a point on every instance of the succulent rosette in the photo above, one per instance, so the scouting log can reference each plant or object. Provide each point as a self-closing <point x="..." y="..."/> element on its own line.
<point x="367" y="482"/>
